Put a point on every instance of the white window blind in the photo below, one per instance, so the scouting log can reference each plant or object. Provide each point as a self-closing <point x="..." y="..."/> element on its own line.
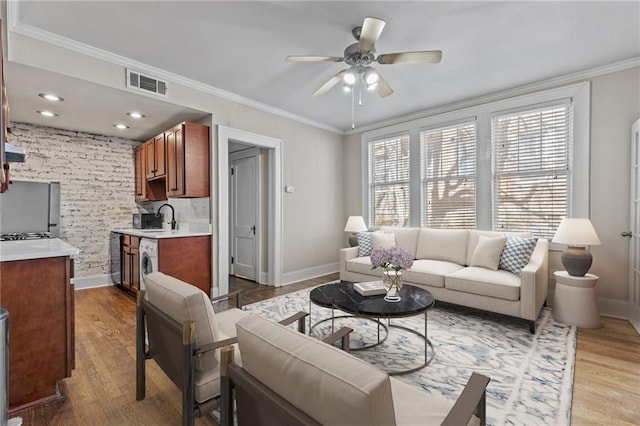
<point x="389" y="181"/>
<point x="448" y="159"/>
<point x="531" y="169"/>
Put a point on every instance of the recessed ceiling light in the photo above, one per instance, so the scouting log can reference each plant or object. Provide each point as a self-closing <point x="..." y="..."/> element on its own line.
<point x="134" y="114"/>
<point x="51" y="97"/>
<point x="121" y="126"/>
<point x="47" y="113"/>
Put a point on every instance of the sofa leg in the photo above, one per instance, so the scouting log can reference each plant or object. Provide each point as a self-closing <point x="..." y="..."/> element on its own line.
<point x="545" y="303"/>
<point x="532" y="327"/>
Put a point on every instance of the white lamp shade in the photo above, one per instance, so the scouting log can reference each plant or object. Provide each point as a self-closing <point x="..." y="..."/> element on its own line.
<point x="355" y="224"/>
<point x="576" y="232"/>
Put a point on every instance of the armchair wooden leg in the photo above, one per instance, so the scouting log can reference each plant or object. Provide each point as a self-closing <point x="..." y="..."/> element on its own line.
<point x="226" y="387"/>
<point x="188" y="385"/>
<point x="140" y="350"/>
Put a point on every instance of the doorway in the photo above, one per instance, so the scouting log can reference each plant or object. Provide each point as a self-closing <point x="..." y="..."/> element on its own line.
<point x="245" y="212"/>
<point x="273" y="233"/>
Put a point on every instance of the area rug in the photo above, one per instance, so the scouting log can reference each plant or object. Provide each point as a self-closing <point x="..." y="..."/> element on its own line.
<point x="531" y="374"/>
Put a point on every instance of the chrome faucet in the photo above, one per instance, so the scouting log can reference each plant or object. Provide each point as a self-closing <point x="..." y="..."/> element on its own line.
<point x="173" y="215"/>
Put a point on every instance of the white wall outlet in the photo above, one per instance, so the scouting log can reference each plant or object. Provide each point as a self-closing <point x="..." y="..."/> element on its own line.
<point x="288" y="189"/>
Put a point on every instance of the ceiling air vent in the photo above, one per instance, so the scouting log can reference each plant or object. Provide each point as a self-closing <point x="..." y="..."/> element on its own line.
<point x="143" y="82"/>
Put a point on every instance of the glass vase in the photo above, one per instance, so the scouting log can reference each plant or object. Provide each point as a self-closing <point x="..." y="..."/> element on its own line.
<point x="392" y="281"/>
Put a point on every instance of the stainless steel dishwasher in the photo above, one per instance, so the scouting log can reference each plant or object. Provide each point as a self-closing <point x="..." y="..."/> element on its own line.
<point x="115" y="257"/>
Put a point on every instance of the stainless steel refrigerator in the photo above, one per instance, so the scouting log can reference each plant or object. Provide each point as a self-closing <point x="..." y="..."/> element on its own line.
<point x="30" y="207"/>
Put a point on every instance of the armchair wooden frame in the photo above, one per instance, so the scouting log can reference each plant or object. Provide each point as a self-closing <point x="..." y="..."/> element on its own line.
<point x="258" y="405"/>
<point x="172" y="345"/>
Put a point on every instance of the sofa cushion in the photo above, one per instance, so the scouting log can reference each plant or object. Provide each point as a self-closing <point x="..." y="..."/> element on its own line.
<point x="407" y="238"/>
<point x="325" y="382"/>
<point x="184" y="302"/>
<point x="516" y="253"/>
<point x="364" y="243"/>
<point x="488" y="251"/>
<point x="472" y="279"/>
<point x="474" y="236"/>
<point x="430" y="272"/>
<point x="383" y="239"/>
<point x="443" y="244"/>
<point x="362" y="265"/>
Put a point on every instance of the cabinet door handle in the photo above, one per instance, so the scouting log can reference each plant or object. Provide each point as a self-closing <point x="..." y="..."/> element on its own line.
<point x="174" y="189"/>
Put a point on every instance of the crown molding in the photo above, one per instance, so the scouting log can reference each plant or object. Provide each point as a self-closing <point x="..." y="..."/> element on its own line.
<point x="504" y="94"/>
<point x="66" y="43"/>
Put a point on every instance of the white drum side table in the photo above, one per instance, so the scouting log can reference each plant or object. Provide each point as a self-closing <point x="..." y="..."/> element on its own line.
<point x="574" y="301"/>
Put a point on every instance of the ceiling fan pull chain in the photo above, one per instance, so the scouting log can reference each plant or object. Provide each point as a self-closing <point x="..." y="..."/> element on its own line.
<point x="353" y="111"/>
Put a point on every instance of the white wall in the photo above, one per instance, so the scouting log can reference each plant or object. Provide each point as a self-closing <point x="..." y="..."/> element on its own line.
<point x="615" y="105"/>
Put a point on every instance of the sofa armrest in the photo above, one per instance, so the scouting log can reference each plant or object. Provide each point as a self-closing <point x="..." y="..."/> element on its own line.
<point x="534" y="282"/>
<point x="345" y="255"/>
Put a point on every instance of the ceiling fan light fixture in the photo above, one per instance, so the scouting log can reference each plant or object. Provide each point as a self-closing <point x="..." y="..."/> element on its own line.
<point x="346" y="88"/>
<point x="371" y="87"/>
<point x="349" y="77"/>
<point x="370" y="75"/>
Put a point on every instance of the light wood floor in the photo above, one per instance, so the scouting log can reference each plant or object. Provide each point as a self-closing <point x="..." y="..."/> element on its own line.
<point x="101" y="390"/>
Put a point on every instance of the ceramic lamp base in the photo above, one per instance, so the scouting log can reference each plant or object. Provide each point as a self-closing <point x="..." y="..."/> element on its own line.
<point x="576" y="260"/>
<point x="353" y="239"/>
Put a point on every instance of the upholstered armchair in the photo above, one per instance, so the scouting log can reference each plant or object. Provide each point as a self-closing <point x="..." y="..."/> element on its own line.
<point x="287" y="378"/>
<point x="177" y="327"/>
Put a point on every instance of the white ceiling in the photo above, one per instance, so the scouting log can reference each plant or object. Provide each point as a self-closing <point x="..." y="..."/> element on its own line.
<point x="240" y="47"/>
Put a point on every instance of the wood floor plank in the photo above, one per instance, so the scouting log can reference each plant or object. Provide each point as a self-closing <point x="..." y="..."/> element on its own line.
<point x="101" y="390"/>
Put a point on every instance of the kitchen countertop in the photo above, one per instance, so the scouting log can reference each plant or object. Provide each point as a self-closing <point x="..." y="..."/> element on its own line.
<point x="35" y="249"/>
<point x="161" y="233"/>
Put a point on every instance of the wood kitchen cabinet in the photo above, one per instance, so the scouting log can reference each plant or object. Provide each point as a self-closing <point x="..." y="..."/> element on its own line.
<point x="146" y="190"/>
<point x="155" y="157"/>
<point x="188" y="259"/>
<point x="40" y="299"/>
<point x="131" y="263"/>
<point x="187" y="154"/>
<point x="140" y="172"/>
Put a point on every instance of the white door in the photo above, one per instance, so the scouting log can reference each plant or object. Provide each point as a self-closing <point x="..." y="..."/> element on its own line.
<point x="634" y="248"/>
<point x="244" y="178"/>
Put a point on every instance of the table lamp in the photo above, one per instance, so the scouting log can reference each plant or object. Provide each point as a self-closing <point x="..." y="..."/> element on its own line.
<point x="576" y="233"/>
<point x="354" y="225"/>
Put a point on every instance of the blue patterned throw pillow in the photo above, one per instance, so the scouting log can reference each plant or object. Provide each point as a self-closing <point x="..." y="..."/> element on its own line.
<point x="516" y="253"/>
<point x="364" y="244"/>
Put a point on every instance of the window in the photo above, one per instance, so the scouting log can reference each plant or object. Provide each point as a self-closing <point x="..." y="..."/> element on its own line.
<point x="389" y="181"/>
<point x="448" y="167"/>
<point x="531" y="152"/>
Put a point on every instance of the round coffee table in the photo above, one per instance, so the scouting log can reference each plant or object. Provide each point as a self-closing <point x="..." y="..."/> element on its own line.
<point x="344" y="297"/>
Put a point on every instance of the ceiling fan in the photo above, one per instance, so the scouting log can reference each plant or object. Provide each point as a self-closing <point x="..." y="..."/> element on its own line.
<point x="360" y="55"/>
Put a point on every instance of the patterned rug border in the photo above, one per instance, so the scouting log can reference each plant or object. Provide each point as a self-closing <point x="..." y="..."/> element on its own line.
<point x="532" y="375"/>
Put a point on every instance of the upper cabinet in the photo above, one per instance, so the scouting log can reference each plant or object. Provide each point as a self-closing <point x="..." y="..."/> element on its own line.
<point x="154" y="152"/>
<point x="188" y="160"/>
<point x="173" y="164"/>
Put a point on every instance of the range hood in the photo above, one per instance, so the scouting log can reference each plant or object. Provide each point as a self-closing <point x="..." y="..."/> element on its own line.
<point x="14" y="154"/>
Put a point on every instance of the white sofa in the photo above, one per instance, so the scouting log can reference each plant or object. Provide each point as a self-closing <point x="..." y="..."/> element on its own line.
<point x="443" y="265"/>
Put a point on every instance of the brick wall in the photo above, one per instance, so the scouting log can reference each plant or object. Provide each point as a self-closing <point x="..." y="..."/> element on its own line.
<point x="96" y="175"/>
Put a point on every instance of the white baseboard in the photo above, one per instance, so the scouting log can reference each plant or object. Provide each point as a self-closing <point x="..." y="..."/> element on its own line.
<point x="309" y="273"/>
<point x="614" y="308"/>
<point x="92" y="282"/>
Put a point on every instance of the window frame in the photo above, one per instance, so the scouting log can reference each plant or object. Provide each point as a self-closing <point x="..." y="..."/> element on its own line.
<point x="579" y="94"/>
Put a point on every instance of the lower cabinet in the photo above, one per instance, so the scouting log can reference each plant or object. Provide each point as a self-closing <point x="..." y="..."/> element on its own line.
<point x="40" y="299"/>
<point x="188" y="259"/>
<point x="131" y="263"/>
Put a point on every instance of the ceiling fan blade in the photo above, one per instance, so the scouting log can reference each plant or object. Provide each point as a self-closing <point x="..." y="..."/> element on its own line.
<point x="371" y="30"/>
<point x="329" y="84"/>
<point x="422" y="57"/>
<point x="383" y="88"/>
<point x="302" y="58"/>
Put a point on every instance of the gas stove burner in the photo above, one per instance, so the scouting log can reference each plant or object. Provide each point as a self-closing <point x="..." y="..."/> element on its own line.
<point x="25" y="236"/>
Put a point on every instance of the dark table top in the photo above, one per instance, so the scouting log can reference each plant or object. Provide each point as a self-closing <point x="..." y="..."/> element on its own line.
<point x="342" y="295"/>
